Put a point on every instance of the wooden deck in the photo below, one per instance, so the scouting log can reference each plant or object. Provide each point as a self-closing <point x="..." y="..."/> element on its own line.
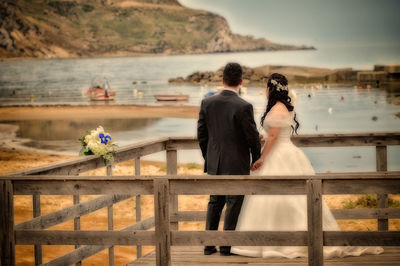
<point x="193" y="256"/>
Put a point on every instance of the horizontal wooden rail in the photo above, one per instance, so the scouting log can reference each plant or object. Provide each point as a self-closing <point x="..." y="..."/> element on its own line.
<point x="339" y="214"/>
<point x="58" y="237"/>
<point x="130" y="152"/>
<point x="200" y="238"/>
<point x="72" y="212"/>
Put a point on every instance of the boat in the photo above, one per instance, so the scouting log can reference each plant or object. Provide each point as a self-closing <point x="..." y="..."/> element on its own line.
<point x="171" y="97"/>
<point x="100" y="90"/>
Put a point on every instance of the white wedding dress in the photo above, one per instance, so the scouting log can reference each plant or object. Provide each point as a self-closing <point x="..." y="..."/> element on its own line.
<point x="285" y="212"/>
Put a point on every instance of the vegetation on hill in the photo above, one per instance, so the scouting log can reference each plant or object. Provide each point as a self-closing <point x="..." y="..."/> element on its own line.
<point x="85" y="28"/>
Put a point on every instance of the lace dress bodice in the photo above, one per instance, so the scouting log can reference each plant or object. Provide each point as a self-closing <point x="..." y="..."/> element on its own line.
<point x="283" y="120"/>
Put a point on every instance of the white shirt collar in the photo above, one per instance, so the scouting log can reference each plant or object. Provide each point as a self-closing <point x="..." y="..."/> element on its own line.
<point x="227" y="89"/>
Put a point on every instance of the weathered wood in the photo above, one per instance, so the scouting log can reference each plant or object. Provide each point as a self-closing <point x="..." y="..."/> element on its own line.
<point x="237" y="187"/>
<point x="77" y="224"/>
<point x="391" y="213"/>
<point x="194" y="256"/>
<point x="161" y="209"/>
<point x="140" y="149"/>
<point x="371" y="186"/>
<point x="359" y="238"/>
<point x="314" y="223"/>
<point x="83" y="164"/>
<point x="57" y="237"/>
<point x="383" y="200"/>
<point x="238" y="238"/>
<point x="182" y="143"/>
<point x="87" y="251"/>
<point x="110" y="216"/>
<point x="72" y="212"/>
<point x="341" y="140"/>
<point x="325" y="140"/>
<point x="172" y="169"/>
<point x="138" y="206"/>
<point x="51" y="187"/>
<point x="7" y="223"/>
<point x="36" y="213"/>
<point x="395" y="175"/>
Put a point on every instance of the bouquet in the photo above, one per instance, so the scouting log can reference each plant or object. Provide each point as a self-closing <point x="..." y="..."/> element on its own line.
<point x="97" y="142"/>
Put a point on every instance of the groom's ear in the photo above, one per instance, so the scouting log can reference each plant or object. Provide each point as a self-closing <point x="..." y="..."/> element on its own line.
<point x="241" y="80"/>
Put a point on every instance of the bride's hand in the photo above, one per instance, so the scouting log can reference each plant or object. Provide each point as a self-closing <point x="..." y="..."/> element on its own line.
<point x="257" y="164"/>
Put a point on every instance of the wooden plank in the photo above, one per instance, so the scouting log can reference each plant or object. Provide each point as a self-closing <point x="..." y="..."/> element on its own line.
<point x="36" y="213"/>
<point x="83" y="164"/>
<point x="392" y="175"/>
<point x="345" y="140"/>
<point x="182" y="143"/>
<point x="51" y="187"/>
<point x="359" y="238"/>
<point x="350" y="214"/>
<point x="371" y="186"/>
<point x="318" y="140"/>
<point x="58" y="237"/>
<point x="77" y="224"/>
<point x="161" y="209"/>
<point x="110" y="216"/>
<point x="238" y="238"/>
<point x="138" y="206"/>
<point x="57" y="217"/>
<point x="172" y="169"/>
<point x="237" y="187"/>
<point x="86" y="251"/>
<point x="7" y="223"/>
<point x="383" y="200"/>
<point x="314" y="223"/>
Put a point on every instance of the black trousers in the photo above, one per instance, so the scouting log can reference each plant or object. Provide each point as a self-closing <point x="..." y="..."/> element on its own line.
<point x="214" y="209"/>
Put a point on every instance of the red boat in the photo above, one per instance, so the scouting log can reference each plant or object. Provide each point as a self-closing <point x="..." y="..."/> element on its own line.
<point x="100" y="90"/>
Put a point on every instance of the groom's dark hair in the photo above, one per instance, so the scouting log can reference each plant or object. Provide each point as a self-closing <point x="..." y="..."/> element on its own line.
<point x="232" y="74"/>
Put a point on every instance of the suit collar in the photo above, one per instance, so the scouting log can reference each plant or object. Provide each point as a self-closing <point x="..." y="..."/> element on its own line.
<point x="229" y="93"/>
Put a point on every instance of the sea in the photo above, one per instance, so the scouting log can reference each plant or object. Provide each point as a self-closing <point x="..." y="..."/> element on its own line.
<point x="320" y="110"/>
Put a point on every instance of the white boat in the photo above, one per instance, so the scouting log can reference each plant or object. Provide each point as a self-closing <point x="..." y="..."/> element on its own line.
<point x="171" y="97"/>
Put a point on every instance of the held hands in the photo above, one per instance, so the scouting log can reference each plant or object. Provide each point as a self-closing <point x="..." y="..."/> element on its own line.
<point x="257" y="164"/>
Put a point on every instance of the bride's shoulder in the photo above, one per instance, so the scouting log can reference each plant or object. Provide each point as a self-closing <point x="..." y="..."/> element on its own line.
<point x="279" y="108"/>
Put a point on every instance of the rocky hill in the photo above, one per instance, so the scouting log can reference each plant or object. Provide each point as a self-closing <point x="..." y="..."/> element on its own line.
<point x="88" y="28"/>
<point x="258" y="76"/>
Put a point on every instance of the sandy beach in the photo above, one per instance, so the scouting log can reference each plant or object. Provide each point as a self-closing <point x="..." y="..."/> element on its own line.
<point x="93" y="111"/>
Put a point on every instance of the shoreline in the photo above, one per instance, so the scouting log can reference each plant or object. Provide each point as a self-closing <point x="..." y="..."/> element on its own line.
<point x="79" y="112"/>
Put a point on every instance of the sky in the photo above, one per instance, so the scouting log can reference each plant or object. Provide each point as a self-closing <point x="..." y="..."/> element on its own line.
<point x="327" y="23"/>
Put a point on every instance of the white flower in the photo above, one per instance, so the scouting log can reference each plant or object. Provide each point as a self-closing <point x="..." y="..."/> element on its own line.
<point x="293" y="95"/>
<point x="279" y="86"/>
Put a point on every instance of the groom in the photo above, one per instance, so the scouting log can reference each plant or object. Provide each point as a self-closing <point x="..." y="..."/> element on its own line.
<point x="227" y="136"/>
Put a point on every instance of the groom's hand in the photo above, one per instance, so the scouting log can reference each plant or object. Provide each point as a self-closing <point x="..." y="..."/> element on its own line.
<point x="257" y="164"/>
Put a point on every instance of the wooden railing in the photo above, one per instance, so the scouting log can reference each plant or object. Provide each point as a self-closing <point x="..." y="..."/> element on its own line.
<point x="62" y="179"/>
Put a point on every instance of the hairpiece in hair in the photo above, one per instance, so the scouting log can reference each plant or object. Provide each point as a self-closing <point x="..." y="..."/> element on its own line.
<point x="279" y="86"/>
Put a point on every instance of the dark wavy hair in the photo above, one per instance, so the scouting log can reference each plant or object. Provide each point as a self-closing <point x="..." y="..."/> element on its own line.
<point x="276" y="95"/>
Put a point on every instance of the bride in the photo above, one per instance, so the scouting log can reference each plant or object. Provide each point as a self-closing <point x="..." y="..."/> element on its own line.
<point x="280" y="157"/>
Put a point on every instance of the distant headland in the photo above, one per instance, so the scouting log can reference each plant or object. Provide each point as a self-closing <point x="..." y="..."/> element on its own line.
<point x="99" y="28"/>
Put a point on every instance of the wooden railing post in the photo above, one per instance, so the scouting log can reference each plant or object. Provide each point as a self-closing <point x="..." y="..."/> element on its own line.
<point x="7" y="223"/>
<point x="110" y="216"/>
<point x="36" y="213"/>
<point x="381" y="166"/>
<point x="161" y="215"/>
<point x="138" y="206"/>
<point x="314" y="220"/>
<point x="172" y="169"/>
<point x="77" y="224"/>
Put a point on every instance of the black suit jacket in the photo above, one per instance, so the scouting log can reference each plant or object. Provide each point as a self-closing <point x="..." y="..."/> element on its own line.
<point x="227" y="134"/>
